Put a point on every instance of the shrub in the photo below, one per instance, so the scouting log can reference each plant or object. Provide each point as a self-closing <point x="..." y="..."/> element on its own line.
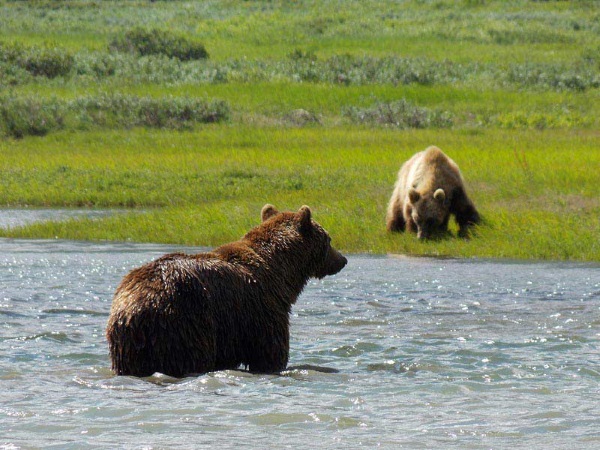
<point x="48" y="61"/>
<point x="20" y="117"/>
<point x="400" y="114"/>
<point x="129" y="111"/>
<point x="553" y="76"/>
<point x="97" y="65"/>
<point x="348" y="69"/>
<point x="298" y="54"/>
<point x="158" y="42"/>
<point x="179" y="112"/>
<point x="12" y="75"/>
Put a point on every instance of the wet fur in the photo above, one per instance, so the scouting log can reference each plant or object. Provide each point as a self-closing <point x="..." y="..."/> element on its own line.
<point x="186" y="314"/>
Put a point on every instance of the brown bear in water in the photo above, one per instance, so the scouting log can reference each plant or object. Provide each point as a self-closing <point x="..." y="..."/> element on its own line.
<point x="429" y="189"/>
<point x="188" y="314"/>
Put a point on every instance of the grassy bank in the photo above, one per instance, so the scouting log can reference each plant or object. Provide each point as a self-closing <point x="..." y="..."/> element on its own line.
<point x="538" y="201"/>
<point x="194" y="114"/>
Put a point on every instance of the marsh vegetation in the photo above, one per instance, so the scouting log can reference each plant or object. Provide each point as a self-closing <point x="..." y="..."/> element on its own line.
<point x="186" y="110"/>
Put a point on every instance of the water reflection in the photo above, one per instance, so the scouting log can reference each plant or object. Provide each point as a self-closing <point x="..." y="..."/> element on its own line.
<point x="11" y="218"/>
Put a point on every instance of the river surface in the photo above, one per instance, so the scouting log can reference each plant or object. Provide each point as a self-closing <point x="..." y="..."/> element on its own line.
<point x="431" y="353"/>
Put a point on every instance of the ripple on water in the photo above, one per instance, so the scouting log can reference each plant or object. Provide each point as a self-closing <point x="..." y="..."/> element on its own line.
<point x="430" y="354"/>
<point x="299" y="420"/>
<point x="394" y="366"/>
<point x="55" y="336"/>
<point x="357" y="349"/>
<point x="75" y="312"/>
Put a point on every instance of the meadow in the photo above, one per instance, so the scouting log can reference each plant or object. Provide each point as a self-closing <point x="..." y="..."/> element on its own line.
<point x="192" y="115"/>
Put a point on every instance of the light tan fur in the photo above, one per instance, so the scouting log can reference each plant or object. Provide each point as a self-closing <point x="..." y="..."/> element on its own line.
<point x="428" y="189"/>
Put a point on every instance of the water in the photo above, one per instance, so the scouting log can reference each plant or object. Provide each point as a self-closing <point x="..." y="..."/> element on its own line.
<point x="431" y="354"/>
<point x="10" y="218"/>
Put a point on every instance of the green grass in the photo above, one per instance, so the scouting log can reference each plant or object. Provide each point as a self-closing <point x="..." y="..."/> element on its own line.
<point x="510" y="90"/>
<point x="269" y="103"/>
<point x="207" y="187"/>
<point x="267" y="29"/>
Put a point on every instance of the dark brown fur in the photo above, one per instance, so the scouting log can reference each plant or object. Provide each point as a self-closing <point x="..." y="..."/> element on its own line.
<point x="186" y="314"/>
<point x="429" y="189"/>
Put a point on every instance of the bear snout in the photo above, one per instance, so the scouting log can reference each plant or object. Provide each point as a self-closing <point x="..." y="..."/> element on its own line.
<point x="339" y="261"/>
<point x="424" y="231"/>
<point x="342" y="263"/>
<point x="334" y="263"/>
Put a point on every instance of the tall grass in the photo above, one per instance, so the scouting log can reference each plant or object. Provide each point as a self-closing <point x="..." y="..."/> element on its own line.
<point x="520" y="49"/>
<point x="23" y="116"/>
<point x="400" y="114"/>
<point x="537" y="201"/>
<point x="180" y="65"/>
<point x="158" y="42"/>
<point x="486" y="31"/>
<point x="317" y="104"/>
<point x="49" y="60"/>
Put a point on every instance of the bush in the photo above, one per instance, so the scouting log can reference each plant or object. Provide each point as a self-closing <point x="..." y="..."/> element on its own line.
<point x="12" y="75"/>
<point x="348" y="69"/>
<point x="128" y="111"/>
<point x="400" y="114"/>
<point x="48" y="61"/>
<point x="98" y="65"/>
<point x="578" y="77"/>
<point x="158" y="42"/>
<point x="20" y="117"/>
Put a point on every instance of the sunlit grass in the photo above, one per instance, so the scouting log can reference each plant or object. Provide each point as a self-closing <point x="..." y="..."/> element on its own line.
<point x="260" y="103"/>
<point x="518" y="82"/>
<point x="522" y="64"/>
<point x="538" y="201"/>
<point x="480" y="31"/>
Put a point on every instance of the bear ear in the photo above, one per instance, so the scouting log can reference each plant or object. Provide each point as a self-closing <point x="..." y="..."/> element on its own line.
<point x="439" y="195"/>
<point x="413" y="195"/>
<point x="304" y="218"/>
<point x="267" y="212"/>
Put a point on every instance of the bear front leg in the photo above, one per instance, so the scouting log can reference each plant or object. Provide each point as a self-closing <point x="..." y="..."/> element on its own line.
<point x="466" y="221"/>
<point x="464" y="211"/>
<point x="396" y="224"/>
<point x="411" y="225"/>
<point x="395" y="220"/>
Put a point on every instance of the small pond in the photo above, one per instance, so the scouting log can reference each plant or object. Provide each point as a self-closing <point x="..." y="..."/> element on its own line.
<point x="431" y="354"/>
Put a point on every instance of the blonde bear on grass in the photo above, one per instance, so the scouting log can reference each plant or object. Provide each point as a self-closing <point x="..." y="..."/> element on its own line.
<point x="429" y="189"/>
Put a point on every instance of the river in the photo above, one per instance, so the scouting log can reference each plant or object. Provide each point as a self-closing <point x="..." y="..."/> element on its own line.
<point x="430" y="353"/>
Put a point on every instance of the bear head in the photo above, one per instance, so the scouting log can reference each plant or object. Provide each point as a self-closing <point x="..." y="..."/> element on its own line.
<point x="299" y="231"/>
<point x="430" y="212"/>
